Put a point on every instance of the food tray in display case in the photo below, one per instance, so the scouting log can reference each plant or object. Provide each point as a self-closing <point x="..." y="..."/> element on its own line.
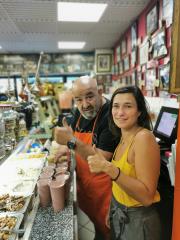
<point x="41" y="155"/>
<point x="17" y="187"/>
<point x="15" y="219"/>
<point x="20" y="170"/>
<point x="12" y="204"/>
<point x="24" y="188"/>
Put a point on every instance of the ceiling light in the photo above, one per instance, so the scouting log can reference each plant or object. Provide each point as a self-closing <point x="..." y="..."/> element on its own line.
<point x="71" y="45"/>
<point x="0" y="47"/>
<point x="80" y="12"/>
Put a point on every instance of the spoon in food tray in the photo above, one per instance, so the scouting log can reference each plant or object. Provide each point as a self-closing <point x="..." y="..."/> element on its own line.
<point x="17" y="231"/>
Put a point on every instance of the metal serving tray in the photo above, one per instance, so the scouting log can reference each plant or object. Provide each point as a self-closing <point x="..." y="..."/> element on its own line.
<point x="22" y="210"/>
<point x="19" y="218"/>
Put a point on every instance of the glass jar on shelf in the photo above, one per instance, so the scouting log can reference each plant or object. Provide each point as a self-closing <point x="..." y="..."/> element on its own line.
<point x="2" y="132"/>
<point x="10" y="124"/>
<point x="2" y="149"/>
<point x="2" y="127"/>
<point x="9" y="117"/>
<point x="22" y="127"/>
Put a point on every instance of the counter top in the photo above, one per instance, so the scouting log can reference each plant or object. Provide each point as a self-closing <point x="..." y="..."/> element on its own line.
<point x="55" y="226"/>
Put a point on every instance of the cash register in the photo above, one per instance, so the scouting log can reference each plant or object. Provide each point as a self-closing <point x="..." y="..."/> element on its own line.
<point x="165" y="131"/>
<point x="165" y="128"/>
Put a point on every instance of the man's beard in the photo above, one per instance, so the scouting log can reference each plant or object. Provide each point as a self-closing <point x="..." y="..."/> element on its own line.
<point x="90" y="115"/>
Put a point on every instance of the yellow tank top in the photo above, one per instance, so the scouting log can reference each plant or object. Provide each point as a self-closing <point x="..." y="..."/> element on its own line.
<point x="129" y="169"/>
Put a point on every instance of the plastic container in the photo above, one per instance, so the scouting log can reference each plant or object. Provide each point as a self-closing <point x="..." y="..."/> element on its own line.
<point x="2" y="127"/>
<point x="47" y="174"/>
<point x="44" y="192"/>
<point x="48" y="169"/>
<point x="57" y="189"/>
<point x="66" y="177"/>
<point x="61" y="169"/>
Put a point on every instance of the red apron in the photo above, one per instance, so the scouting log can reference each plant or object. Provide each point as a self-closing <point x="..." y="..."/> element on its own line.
<point x="93" y="190"/>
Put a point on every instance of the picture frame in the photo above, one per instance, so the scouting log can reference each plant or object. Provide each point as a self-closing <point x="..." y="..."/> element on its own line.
<point x="144" y="53"/>
<point x="121" y="69"/>
<point x="175" y="64"/>
<point x="133" y="78"/>
<point x="100" y="79"/>
<point x="118" y="54"/>
<point x="139" y="79"/>
<point x="167" y="11"/>
<point x="103" y="63"/>
<point x="164" y="75"/>
<point x="116" y="69"/>
<point x="150" y="79"/>
<point x="134" y="57"/>
<point x="152" y="20"/>
<point x="159" y="48"/>
<point x="123" y="46"/>
<point x="134" y="35"/>
<point x="108" y="80"/>
<point x="126" y="63"/>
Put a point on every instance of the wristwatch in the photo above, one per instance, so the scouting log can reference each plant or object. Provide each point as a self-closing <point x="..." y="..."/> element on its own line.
<point x="72" y="143"/>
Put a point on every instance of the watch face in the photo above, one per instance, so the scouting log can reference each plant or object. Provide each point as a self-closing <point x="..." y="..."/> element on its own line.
<point x="72" y="144"/>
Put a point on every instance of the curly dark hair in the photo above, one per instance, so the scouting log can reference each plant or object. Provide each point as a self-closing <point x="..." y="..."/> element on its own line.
<point x="143" y="120"/>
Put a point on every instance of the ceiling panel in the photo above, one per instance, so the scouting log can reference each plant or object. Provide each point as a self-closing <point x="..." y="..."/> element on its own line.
<point x="31" y="25"/>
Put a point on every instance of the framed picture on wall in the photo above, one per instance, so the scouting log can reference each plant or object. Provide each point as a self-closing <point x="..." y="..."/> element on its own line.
<point x="159" y="44"/>
<point x="126" y="63"/>
<point x="108" y="80"/>
<point x="103" y="62"/>
<point x="167" y="11"/>
<point x="134" y="35"/>
<point x="100" y="79"/>
<point x="152" y="20"/>
<point x="150" y="79"/>
<point x="139" y="79"/>
<point x="123" y="46"/>
<point x="118" y="53"/>
<point x="115" y="69"/>
<point x="133" y="78"/>
<point x="164" y="72"/>
<point x="144" y="53"/>
<point x="133" y="57"/>
<point x="121" y="70"/>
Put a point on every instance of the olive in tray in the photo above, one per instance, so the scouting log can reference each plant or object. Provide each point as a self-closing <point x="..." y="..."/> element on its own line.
<point x="7" y="223"/>
<point x="11" y="203"/>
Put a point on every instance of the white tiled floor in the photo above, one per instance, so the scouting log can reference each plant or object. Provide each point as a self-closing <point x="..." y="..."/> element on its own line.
<point x="85" y="226"/>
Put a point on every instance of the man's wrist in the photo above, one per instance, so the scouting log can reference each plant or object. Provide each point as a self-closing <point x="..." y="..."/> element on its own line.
<point x="71" y="144"/>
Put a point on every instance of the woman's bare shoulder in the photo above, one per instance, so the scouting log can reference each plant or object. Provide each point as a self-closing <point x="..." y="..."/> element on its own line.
<point x="144" y="135"/>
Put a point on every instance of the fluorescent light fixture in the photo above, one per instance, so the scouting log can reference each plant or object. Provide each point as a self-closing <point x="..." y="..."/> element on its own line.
<point x="80" y="12"/>
<point x="71" y="45"/>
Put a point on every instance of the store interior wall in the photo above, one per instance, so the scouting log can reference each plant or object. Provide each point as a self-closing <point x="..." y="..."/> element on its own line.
<point x="141" y="35"/>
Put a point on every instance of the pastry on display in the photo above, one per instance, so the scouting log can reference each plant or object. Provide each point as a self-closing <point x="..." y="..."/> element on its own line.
<point x="6" y="223"/>
<point x="11" y="203"/>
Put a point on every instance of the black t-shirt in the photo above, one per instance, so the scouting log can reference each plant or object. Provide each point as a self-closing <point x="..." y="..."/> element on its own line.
<point x="102" y="136"/>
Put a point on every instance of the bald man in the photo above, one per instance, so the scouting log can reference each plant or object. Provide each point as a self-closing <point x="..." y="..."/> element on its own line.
<point x="90" y="127"/>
